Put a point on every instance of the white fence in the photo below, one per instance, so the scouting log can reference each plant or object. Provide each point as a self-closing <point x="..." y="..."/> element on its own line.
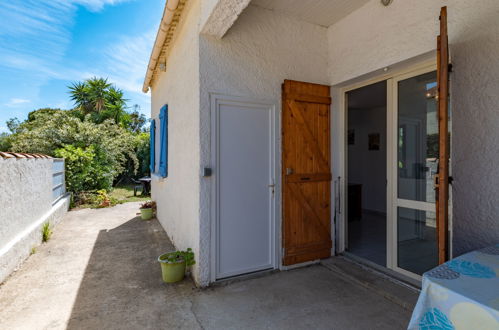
<point x="58" y="179"/>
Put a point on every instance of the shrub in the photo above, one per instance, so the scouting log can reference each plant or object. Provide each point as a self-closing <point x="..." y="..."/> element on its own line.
<point x="177" y="256"/>
<point x="95" y="153"/>
<point x="85" y="169"/>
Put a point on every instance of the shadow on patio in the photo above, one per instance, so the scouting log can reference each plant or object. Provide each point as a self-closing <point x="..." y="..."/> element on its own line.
<point x="99" y="271"/>
<point x="122" y="284"/>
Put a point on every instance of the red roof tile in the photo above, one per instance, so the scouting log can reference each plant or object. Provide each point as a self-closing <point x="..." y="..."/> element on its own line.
<point x="21" y="155"/>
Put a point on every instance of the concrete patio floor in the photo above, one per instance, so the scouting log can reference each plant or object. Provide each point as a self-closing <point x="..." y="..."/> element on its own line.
<point x="99" y="271"/>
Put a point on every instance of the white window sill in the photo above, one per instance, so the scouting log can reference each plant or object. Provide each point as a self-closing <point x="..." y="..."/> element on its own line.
<point x="158" y="178"/>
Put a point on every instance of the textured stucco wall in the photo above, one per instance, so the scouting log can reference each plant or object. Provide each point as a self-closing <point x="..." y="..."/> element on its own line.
<point x="25" y="204"/>
<point x="374" y="37"/>
<point x="217" y="16"/>
<point x="252" y="60"/>
<point x="177" y="195"/>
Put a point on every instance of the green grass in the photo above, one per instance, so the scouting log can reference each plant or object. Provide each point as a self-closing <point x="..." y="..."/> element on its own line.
<point x="124" y="194"/>
<point x="119" y="195"/>
<point x="46" y="232"/>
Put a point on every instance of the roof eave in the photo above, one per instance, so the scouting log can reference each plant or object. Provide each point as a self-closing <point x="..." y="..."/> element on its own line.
<point x="164" y="26"/>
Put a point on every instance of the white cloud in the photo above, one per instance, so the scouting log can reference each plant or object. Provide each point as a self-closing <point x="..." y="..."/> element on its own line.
<point x="125" y="62"/>
<point x="95" y="5"/>
<point x="16" y="102"/>
<point x="35" y="35"/>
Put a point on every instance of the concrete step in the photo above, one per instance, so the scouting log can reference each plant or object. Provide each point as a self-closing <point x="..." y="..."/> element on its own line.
<point x="401" y="293"/>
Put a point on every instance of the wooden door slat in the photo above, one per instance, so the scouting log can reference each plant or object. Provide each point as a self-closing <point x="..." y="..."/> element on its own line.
<point x="308" y="136"/>
<point x="310" y="98"/>
<point x="311" y="210"/>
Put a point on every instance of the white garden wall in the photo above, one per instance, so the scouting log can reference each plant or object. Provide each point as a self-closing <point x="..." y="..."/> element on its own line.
<point x="26" y="202"/>
<point x="374" y="37"/>
<point x="177" y="196"/>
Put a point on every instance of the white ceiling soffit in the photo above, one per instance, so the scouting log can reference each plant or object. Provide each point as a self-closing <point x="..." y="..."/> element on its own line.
<point x="321" y="12"/>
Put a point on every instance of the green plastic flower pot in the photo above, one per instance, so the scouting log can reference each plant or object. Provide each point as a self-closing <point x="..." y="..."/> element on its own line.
<point x="146" y="214"/>
<point x="171" y="272"/>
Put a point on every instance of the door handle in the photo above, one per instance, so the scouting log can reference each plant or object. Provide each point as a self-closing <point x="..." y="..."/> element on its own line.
<point x="289" y="171"/>
<point x="272" y="185"/>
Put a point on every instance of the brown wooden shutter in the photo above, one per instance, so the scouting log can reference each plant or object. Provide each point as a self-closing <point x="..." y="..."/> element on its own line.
<point x="306" y="172"/>
<point x="442" y="184"/>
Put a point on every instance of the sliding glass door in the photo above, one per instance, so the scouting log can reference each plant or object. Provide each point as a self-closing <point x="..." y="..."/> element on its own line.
<point x="414" y="164"/>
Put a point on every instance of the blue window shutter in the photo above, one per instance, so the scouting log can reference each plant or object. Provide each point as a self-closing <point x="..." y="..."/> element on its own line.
<point x="152" y="134"/>
<point x="163" y="153"/>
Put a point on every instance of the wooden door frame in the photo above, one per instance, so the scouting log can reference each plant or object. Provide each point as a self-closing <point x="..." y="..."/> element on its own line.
<point x="216" y="99"/>
<point x="340" y="172"/>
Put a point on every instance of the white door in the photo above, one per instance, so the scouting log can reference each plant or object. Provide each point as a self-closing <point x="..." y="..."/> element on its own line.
<point x="243" y="151"/>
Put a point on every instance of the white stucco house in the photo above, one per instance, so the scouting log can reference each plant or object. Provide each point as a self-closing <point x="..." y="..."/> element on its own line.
<point x="287" y="131"/>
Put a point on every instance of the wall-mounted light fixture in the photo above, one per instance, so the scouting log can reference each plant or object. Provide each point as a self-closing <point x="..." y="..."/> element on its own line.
<point x="386" y="2"/>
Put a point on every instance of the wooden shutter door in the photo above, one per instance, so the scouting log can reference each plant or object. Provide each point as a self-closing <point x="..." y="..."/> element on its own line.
<point x="442" y="184"/>
<point x="306" y="172"/>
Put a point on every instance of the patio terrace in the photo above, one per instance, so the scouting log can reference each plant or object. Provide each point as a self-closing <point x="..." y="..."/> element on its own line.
<point x="100" y="271"/>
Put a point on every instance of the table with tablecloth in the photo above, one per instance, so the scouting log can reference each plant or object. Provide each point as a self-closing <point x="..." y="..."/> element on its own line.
<point x="462" y="293"/>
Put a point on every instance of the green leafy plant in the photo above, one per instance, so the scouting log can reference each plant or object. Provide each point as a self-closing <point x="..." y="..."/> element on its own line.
<point x="179" y="256"/>
<point x="46" y="232"/>
<point x="32" y="251"/>
<point x="148" y="205"/>
<point x="102" y="199"/>
<point x="102" y="142"/>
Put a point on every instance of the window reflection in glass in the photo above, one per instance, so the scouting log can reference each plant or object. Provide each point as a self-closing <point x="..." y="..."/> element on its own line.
<point x="417" y="137"/>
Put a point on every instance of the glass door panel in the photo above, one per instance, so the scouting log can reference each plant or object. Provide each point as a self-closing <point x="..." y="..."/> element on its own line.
<point x="417" y="137"/>
<point x="417" y="162"/>
<point x="416" y="240"/>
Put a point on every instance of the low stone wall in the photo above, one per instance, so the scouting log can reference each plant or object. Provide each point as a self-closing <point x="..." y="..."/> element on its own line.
<point x="26" y="202"/>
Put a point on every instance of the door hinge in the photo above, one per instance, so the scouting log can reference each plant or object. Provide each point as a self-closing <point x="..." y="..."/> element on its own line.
<point x="450" y="67"/>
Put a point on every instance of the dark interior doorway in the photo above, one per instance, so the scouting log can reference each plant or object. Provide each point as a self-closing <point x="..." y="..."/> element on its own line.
<point x="367" y="170"/>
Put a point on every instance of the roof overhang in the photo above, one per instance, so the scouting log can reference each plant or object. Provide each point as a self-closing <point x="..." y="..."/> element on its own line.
<point x="169" y="21"/>
<point x="223" y="15"/>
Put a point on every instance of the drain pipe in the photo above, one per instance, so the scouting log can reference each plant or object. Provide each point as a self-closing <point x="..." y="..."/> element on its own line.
<point x="166" y="21"/>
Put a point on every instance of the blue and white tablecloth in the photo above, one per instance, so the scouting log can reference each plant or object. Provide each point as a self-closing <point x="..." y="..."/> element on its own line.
<point x="462" y="293"/>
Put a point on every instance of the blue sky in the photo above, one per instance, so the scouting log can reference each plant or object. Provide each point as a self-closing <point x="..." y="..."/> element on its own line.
<point x="45" y="45"/>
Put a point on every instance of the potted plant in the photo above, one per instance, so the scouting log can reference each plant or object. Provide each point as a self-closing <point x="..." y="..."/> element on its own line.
<point x="147" y="210"/>
<point x="173" y="265"/>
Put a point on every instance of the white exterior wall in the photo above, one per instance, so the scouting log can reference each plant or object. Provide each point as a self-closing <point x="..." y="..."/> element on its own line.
<point x="263" y="48"/>
<point x="177" y="196"/>
<point x="252" y="60"/>
<point x="25" y="204"/>
<point x="375" y="36"/>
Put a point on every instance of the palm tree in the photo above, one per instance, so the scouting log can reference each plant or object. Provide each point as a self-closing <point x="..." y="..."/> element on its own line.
<point x="80" y="97"/>
<point x="98" y="88"/>
<point x="90" y="96"/>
